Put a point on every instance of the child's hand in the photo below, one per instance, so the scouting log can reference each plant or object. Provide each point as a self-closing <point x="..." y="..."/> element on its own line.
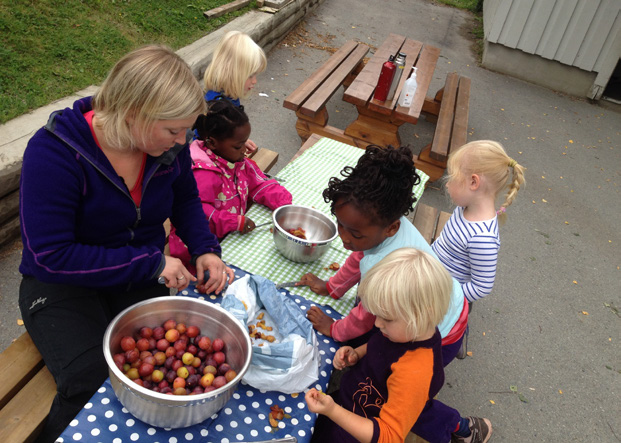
<point x="314" y="283"/>
<point x="250" y="147"/>
<point x="318" y="402"/>
<point x="344" y="357"/>
<point x="248" y="226"/>
<point x="321" y="322"/>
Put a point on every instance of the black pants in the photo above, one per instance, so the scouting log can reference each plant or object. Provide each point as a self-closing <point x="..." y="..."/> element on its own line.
<point x="67" y="324"/>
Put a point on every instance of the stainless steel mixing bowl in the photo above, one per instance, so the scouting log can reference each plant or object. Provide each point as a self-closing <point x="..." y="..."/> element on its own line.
<point x="320" y="232"/>
<point x="176" y="411"/>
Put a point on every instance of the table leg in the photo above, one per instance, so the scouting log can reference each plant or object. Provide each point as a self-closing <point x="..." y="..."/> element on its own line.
<point x="370" y="127"/>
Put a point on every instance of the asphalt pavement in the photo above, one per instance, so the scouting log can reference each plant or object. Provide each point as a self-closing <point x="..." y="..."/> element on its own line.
<point x="545" y="361"/>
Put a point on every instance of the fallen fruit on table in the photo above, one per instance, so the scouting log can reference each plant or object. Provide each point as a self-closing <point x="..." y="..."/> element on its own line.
<point x="333" y="267"/>
<point x="276" y="414"/>
<point x="174" y="359"/>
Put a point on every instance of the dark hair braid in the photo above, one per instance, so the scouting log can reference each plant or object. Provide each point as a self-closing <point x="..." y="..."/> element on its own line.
<point x="221" y="120"/>
<point x="380" y="184"/>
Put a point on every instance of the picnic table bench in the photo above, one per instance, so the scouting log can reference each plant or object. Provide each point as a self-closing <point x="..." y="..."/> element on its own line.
<point x="378" y="122"/>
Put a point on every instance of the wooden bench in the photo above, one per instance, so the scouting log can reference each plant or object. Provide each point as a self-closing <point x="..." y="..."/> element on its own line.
<point x="429" y="221"/>
<point x="310" y="98"/>
<point x="26" y="391"/>
<point x="449" y="110"/>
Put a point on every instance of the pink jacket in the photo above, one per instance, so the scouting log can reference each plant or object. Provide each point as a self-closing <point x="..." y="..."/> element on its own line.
<point x="225" y="190"/>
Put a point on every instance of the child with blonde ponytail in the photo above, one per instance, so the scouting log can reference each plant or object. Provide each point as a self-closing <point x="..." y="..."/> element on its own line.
<point x="468" y="245"/>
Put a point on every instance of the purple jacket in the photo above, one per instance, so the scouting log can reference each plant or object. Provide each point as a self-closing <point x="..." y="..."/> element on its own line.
<point x="79" y="223"/>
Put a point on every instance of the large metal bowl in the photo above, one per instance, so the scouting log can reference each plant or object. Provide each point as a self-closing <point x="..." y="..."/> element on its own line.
<point x="176" y="411"/>
<point x="320" y="232"/>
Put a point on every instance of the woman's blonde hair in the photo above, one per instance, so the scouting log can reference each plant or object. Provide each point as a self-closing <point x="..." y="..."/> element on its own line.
<point x="411" y="285"/>
<point x="149" y="84"/>
<point x="487" y="158"/>
<point x="236" y="58"/>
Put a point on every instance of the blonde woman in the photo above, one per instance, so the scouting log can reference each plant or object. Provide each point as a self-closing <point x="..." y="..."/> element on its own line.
<point x="232" y="73"/>
<point x="98" y="182"/>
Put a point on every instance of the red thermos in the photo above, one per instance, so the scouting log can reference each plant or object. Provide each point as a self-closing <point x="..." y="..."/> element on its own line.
<point x="385" y="79"/>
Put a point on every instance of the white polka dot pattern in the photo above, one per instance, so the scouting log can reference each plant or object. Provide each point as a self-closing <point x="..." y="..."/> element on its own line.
<point x="243" y="418"/>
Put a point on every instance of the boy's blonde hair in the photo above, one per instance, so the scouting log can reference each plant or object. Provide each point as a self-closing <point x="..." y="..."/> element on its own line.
<point x="236" y="58"/>
<point x="411" y="285"/>
<point x="487" y="158"/>
<point x="149" y="84"/>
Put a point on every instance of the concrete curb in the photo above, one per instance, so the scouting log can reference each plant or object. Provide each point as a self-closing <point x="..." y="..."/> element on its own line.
<point x="267" y="29"/>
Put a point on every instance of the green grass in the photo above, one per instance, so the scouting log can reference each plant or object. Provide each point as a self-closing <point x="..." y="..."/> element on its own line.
<point x="52" y="48"/>
<point x="470" y="5"/>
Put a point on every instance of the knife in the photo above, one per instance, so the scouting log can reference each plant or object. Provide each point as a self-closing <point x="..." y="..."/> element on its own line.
<point x="288" y="284"/>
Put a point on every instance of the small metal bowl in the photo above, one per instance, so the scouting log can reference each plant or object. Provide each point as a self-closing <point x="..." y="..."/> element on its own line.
<point x="176" y="411"/>
<point x="320" y="231"/>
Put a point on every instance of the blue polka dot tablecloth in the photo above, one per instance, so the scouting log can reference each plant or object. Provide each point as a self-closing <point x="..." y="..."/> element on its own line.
<point x="243" y="419"/>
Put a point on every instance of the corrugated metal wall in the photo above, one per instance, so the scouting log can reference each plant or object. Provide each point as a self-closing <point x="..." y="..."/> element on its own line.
<point x="578" y="33"/>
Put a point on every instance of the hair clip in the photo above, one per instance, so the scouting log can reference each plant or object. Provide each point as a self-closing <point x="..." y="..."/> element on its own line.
<point x="501" y="210"/>
<point x="512" y="163"/>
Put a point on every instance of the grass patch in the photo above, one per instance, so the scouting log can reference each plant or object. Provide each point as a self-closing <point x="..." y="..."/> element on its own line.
<point x="475" y="6"/>
<point x="50" y="49"/>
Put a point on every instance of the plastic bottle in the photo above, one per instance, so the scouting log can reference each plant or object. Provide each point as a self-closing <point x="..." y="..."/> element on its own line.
<point x="400" y="62"/>
<point x="408" y="91"/>
<point x="385" y="79"/>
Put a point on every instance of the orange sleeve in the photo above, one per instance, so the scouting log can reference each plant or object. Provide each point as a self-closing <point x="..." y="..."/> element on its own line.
<point x="408" y="392"/>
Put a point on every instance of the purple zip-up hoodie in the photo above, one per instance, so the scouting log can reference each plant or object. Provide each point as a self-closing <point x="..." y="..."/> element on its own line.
<point x="80" y="225"/>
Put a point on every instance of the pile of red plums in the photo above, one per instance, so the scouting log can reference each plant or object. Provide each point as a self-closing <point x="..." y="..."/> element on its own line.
<point x="174" y="359"/>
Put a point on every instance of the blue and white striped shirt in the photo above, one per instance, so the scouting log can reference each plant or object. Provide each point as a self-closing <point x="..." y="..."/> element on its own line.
<point x="469" y="251"/>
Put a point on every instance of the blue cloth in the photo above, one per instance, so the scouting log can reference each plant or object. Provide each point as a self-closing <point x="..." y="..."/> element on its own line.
<point x="243" y="418"/>
<point x="80" y="225"/>
<point x="408" y="237"/>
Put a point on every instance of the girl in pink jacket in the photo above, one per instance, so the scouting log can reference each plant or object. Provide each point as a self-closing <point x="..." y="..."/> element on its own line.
<point x="227" y="181"/>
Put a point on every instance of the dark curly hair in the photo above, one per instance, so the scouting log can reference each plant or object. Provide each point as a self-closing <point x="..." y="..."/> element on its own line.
<point x="380" y="185"/>
<point x="221" y="120"/>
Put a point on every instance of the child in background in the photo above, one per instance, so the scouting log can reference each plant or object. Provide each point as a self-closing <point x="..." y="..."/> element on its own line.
<point x="469" y="243"/>
<point x="379" y="398"/>
<point x="233" y="70"/>
<point x="227" y="181"/>
<point x="370" y="206"/>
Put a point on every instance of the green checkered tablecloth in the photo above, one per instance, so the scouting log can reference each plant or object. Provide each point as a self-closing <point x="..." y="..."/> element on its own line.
<point x="306" y="177"/>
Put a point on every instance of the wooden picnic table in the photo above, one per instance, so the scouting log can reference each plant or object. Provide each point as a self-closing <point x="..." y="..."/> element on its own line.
<point x="378" y="122"/>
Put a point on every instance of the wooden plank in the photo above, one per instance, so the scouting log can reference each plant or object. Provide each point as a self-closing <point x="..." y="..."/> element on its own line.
<point x="312" y="83"/>
<point x="9" y="206"/>
<point x="442" y="136"/>
<point x="319" y="99"/>
<point x="444" y="216"/>
<point x="362" y="88"/>
<point x="23" y="417"/>
<point x="310" y="141"/>
<point x="460" y="125"/>
<point x="265" y="159"/>
<point x="9" y="231"/>
<point x="425" y="220"/>
<point x="426" y="65"/>
<point x="224" y="9"/>
<point x="18" y="364"/>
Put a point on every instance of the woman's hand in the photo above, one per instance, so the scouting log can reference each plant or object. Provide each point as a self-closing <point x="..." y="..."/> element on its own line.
<point x="344" y="357"/>
<point x="318" y="402"/>
<point x="248" y="226"/>
<point x="314" y="283"/>
<point x="176" y="274"/>
<point x="219" y="273"/>
<point x="250" y="147"/>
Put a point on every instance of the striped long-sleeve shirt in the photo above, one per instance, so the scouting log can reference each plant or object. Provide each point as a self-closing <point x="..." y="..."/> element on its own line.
<point x="469" y="251"/>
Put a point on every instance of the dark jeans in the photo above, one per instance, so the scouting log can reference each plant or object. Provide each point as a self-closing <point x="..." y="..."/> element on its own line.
<point x="67" y="324"/>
